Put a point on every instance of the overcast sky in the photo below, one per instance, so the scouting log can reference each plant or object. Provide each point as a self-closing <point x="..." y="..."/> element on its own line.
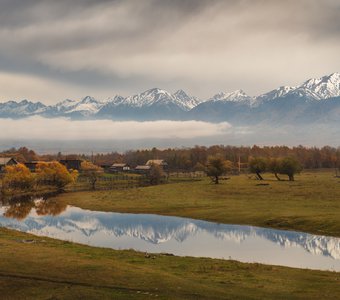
<point x="51" y="50"/>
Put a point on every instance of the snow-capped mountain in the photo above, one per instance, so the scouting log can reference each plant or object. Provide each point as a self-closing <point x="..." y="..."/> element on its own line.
<point x="151" y="104"/>
<point x="24" y="108"/>
<point x="156" y="96"/>
<point x="315" y="100"/>
<point x="324" y="87"/>
<point x="86" y="107"/>
<point x="274" y="94"/>
<point x="314" y="89"/>
<point x="185" y="101"/>
<point x="236" y="96"/>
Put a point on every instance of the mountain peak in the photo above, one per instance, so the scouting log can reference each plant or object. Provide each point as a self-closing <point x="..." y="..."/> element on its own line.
<point x="325" y="87"/>
<point x="235" y="96"/>
<point x="88" y="99"/>
<point x="180" y="93"/>
<point x="185" y="101"/>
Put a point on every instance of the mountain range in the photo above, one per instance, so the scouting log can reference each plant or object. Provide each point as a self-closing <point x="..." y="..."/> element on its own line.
<point x="314" y="101"/>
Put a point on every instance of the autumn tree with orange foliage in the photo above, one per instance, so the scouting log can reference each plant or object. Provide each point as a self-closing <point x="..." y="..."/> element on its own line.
<point x="92" y="172"/>
<point x="17" y="177"/>
<point x="54" y="174"/>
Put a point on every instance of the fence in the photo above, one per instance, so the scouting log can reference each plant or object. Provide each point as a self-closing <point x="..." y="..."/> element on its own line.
<point x="117" y="182"/>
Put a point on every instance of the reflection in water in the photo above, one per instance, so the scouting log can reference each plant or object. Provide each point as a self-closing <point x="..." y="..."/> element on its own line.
<point x="20" y="209"/>
<point x="179" y="236"/>
<point x="50" y="207"/>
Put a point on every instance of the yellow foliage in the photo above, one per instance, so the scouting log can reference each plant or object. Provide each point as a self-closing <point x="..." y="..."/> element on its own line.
<point x="91" y="171"/>
<point x="54" y="173"/>
<point x="17" y="177"/>
<point x="87" y="166"/>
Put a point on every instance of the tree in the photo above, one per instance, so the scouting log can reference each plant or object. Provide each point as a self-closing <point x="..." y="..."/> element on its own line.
<point x="258" y="165"/>
<point x="274" y="166"/>
<point x="290" y="166"/>
<point x="216" y="167"/>
<point x="92" y="172"/>
<point x="55" y="174"/>
<point x="199" y="167"/>
<point x="156" y="174"/>
<point x="17" y="177"/>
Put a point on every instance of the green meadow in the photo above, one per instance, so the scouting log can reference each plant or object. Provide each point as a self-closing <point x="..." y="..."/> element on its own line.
<point x="311" y="203"/>
<point x="50" y="269"/>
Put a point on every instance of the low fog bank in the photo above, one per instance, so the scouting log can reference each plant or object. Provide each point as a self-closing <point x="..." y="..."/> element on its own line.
<point x="38" y="128"/>
<point x="53" y="135"/>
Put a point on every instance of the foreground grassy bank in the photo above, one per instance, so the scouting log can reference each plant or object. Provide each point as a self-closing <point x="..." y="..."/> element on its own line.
<point x="310" y="204"/>
<point x="52" y="269"/>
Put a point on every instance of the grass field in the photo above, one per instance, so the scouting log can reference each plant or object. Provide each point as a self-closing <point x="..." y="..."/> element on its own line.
<point x="52" y="269"/>
<point x="310" y="204"/>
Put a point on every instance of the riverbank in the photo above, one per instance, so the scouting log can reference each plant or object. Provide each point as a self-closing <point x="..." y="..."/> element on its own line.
<point x="43" y="268"/>
<point x="310" y="204"/>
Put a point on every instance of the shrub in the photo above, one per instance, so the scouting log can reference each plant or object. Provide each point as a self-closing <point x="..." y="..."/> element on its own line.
<point x="54" y="174"/>
<point x="17" y="177"/>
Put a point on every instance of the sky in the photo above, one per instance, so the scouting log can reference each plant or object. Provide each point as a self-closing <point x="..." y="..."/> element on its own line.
<point x="52" y="50"/>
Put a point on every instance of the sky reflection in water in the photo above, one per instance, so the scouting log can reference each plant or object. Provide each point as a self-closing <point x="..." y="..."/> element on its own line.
<point x="179" y="236"/>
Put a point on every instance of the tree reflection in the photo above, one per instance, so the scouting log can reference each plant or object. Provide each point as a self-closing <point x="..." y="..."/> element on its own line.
<point x="19" y="210"/>
<point x="50" y="207"/>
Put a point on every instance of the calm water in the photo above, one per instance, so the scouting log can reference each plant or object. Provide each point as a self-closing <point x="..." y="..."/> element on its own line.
<point x="179" y="236"/>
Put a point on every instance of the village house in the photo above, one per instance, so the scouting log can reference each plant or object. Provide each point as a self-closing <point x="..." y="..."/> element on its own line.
<point x="6" y="161"/>
<point x="143" y="169"/>
<point x="157" y="162"/>
<point x="72" y="164"/>
<point x="119" y="167"/>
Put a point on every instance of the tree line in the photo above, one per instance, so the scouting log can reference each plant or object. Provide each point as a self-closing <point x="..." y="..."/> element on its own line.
<point x="190" y="159"/>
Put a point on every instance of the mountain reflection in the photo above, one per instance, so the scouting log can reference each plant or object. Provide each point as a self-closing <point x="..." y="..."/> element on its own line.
<point x="161" y="233"/>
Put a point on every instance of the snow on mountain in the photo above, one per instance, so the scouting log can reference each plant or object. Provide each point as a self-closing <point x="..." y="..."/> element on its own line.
<point x="158" y="104"/>
<point x="235" y="96"/>
<point x="115" y="100"/>
<point x="88" y="104"/>
<point x="86" y="107"/>
<point x="65" y="105"/>
<point x="154" y="97"/>
<point x="185" y="101"/>
<point x="324" y="87"/>
<point x="22" y="108"/>
<point x="144" y="99"/>
<point x="274" y="94"/>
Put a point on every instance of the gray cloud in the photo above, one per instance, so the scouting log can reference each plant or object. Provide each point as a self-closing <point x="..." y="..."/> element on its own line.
<point x="107" y="47"/>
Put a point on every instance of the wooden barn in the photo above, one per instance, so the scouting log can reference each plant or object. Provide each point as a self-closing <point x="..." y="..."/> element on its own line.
<point x="7" y="161"/>
<point x="71" y="164"/>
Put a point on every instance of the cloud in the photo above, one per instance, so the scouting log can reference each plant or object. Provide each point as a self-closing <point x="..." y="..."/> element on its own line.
<point x="199" y="45"/>
<point x="38" y="128"/>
